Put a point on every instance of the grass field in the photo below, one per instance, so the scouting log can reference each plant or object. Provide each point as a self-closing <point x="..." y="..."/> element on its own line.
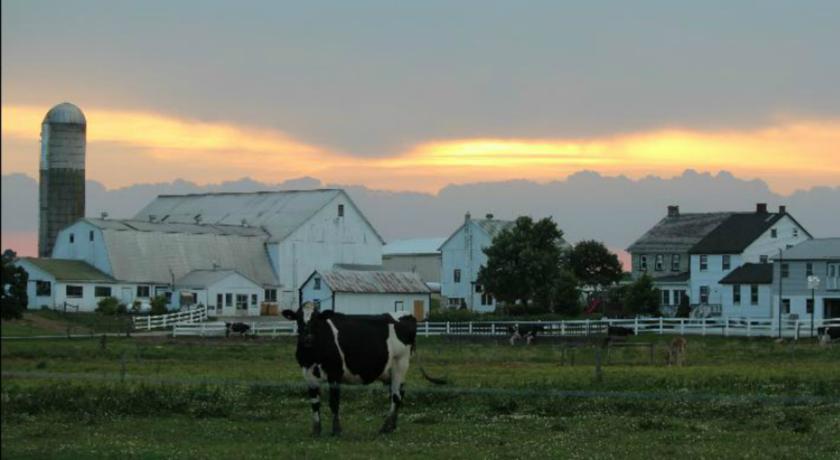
<point x="242" y="398"/>
<point x="51" y="322"/>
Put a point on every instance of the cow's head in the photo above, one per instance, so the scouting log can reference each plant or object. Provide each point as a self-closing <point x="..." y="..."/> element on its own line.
<point x="304" y="316"/>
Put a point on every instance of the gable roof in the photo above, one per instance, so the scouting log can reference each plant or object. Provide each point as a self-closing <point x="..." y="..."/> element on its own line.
<point x="736" y="232"/>
<point x="207" y="278"/>
<point x="416" y="246"/>
<point x="816" y="249"/>
<point x="373" y="282"/>
<point x="678" y="233"/>
<point x="491" y="227"/>
<point x="69" y="270"/>
<point x="280" y="213"/>
<point x="750" y="274"/>
<point x="145" y="252"/>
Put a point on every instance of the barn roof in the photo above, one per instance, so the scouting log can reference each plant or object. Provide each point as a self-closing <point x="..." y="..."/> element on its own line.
<point x="416" y="246"/>
<point x="206" y="278"/>
<point x="280" y="213"/>
<point x="69" y="270"/>
<point x="144" y="252"/>
<point x="678" y="233"/>
<point x="816" y="249"/>
<point x="750" y="274"/>
<point x="373" y="282"/>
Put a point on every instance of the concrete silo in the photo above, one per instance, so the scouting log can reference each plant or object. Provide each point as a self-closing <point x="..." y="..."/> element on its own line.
<point x="61" y="197"/>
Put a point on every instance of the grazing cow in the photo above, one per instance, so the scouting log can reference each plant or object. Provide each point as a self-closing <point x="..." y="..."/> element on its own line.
<point x="527" y="332"/>
<point x="676" y="351"/>
<point x="241" y="328"/>
<point x="828" y="334"/>
<point x="360" y="349"/>
<point x="617" y="334"/>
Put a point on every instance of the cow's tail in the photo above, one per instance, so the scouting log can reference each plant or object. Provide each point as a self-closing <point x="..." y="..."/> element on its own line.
<point x="435" y="380"/>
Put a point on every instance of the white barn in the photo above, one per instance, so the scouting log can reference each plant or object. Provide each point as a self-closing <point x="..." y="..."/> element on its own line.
<point x="367" y="292"/>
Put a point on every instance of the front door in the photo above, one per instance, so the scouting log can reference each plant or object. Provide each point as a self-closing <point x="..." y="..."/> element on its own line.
<point x="126" y="296"/>
<point x="219" y="304"/>
<point x="419" y="311"/>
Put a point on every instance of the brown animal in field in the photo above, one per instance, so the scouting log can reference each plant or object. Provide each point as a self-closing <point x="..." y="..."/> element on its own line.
<point x="676" y="351"/>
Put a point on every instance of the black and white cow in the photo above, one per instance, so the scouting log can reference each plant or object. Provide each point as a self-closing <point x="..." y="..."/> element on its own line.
<point x="357" y="349"/>
<point x="527" y="332"/>
<point x="240" y="328"/>
<point x="828" y="334"/>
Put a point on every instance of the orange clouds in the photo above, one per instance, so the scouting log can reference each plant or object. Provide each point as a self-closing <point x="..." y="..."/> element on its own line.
<point x="126" y="147"/>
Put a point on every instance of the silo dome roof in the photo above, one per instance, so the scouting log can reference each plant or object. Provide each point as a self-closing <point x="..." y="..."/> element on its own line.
<point x="65" y="113"/>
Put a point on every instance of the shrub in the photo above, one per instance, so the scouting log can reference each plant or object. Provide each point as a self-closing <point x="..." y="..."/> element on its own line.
<point x="108" y="306"/>
<point x="122" y="309"/>
<point x="135" y="306"/>
<point x="159" y="305"/>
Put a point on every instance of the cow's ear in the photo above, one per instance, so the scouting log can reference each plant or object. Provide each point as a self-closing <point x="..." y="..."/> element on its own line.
<point x="290" y="315"/>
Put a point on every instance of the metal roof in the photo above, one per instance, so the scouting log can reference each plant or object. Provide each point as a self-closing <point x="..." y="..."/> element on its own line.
<point x="162" y="253"/>
<point x="65" y="113"/>
<point x="69" y="270"/>
<point x="280" y="213"/>
<point x="816" y="249"/>
<point x="417" y="246"/>
<point x="373" y="282"/>
<point x="678" y="233"/>
<point x="203" y="279"/>
<point x="750" y="274"/>
<point x="736" y="232"/>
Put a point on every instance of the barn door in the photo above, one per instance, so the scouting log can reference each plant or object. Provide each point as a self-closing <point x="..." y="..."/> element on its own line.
<point x="419" y="310"/>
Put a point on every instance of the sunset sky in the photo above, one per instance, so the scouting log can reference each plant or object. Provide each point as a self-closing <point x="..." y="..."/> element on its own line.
<point x="418" y="95"/>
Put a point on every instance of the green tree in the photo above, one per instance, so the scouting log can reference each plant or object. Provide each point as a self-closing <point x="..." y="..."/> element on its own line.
<point x="13" y="298"/>
<point x="594" y="265"/>
<point x="524" y="263"/>
<point x="566" y="294"/>
<point x="642" y="298"/>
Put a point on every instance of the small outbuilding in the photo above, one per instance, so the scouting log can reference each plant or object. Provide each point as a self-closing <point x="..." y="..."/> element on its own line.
<point x="70" y="285"/>
<point x="363" y="292"/>
<point x="224" y="292"/>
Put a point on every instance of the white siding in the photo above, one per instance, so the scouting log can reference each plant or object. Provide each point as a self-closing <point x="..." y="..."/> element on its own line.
<point x="464" y="251"/>
<point x="711" y="276"/>
<point x="371" y="304"/>
<point x="235" y="284"/>
<point x="768" y="246"/>
<point x="93" y="252"/>
<point x="763" y="309"/>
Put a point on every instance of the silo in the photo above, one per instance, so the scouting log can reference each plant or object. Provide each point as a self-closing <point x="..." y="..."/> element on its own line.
<point x="61" y="197"/>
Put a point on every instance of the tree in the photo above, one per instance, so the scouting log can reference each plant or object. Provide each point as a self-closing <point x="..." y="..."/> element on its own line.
<point x="13" y="298"/>
<point x="566" y="294"/>
<point x="159" y="305"/>
<point x="524" y="263"/>
<point x="642" y="297"/>
<point x="594" y="265"/>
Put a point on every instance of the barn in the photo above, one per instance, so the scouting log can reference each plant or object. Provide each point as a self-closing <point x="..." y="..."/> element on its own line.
<point x="362" y="292"/>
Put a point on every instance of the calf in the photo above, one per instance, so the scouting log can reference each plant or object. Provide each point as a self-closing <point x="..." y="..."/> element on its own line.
<point x="241" y="328"/>
<point x="358" y="349"/>
<point x="676" y="351"/>
<point x="828" y="334"/>
<point x="527" y="332"/>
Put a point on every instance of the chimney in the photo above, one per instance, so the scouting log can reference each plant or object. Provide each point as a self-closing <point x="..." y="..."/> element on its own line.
<point x="673" y="211"/>
<point x="152" y="217"/>
<point x="489" y="216"/>
<point x="244" y="222"/>
<point x="103" y="215"/>
<point x="782" y="209"/>
<point x="761" y="208"/>
<point x="467" y="217"/>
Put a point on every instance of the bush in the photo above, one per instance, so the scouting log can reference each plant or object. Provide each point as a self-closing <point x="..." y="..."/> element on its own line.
<point x="108" y="306"/>
<point x="135" y="306"/>
<point x="159" y="305"/>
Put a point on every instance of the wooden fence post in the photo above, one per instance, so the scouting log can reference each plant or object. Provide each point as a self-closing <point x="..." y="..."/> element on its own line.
<point x="447" y="328"/>
<point x="661" y="328"/>
<point x="726" y="327"/>
<point x="563" y="331"/>
<point x="704" y="326"/>
<point x="636" y="326"/>
<point x="682" y="326"/>
<point x="470" y="328"/>
<point x="427" y="328"/>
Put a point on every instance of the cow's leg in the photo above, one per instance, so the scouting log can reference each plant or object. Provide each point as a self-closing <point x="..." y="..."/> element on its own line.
<point x="335" y="397"/>
<point x="315" y="402"/>
<point x="398" y="371"/>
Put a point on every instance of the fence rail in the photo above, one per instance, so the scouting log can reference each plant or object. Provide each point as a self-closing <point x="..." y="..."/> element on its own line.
<point x="734" y="327"/>
<point x="170" y="319"/>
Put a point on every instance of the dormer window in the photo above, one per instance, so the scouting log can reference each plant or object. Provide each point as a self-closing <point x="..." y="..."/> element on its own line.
<point x="704" y="263"/>
<point x="72" y="238"/>
<point x="317" y="284"/>
<point x="90" y="235"/>
<point x="660" y="262"/>
<point x="643" y="266"/>
<point x="341" y="210"/>
<point x="795" y="232"/>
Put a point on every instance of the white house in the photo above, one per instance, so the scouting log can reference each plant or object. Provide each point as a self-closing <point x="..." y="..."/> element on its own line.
<point x="742" y="238"/>
<point x="275" y="239"/>
<point x="747" y="291"/>
<point x="462" y="256"/>
<point x="225" y="292"/>
<point x="367" y="292"/>
<point x="70" y="285"/>
<point x="819" y="258"/>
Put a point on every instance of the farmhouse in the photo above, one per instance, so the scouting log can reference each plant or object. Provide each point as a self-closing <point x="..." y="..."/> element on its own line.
<point x="818" y="258"/>
<point x="70" y="285"/>
<point x="364" y="292"/>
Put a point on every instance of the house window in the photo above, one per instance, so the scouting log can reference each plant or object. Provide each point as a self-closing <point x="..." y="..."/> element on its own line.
<point x="219" y="301"/>
<point x="143" y="291"/>
<point x="253" y="299"/>
<point x="726" y="262"/>
<point x="660" y="262"/>
<point x="241" y="301"/>
<point x="736" y="294"/>
<point x="785" y="270"/>
<point x="809" y="269"/>
<point x="753" y="294"/>
<point x="704" y="263"/>
<point x="795" y="232"/>
<point x="228" y="300"/>
<point x="773" y="233"/>
<point x="316" y="284"/>
<point x="74" y="292"/>
<point x="763" y="259"/>
<point x="666" y="297"/>
<point x="102" y="291"/>
<point x="643" y="263"/>
<point x="72" y="238"/>
<point x="704" y="294"/>
<point x="675" y="262"/>
<point x="455" y="302"/>
<point x="399" y="305"/>
<point x="271" y="295"/>
<point x="486" y="299"/>
<point x="90" y="235"/>
<point x="341" y="210"/>
<point x="43" y="288"/>
<point x="477" y="287"/>
<point x="456" y="275"/>
<point x="786" y="306"/>
<point x="809" y="306"/>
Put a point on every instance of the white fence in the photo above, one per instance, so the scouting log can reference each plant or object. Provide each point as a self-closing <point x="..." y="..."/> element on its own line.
<point x="733" y="327"/>
<point x="170" y="319"/>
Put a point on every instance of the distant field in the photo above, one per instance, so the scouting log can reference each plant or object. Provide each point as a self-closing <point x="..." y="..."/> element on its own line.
<point x="217" y="398"/>
<point x="48" y="322"/>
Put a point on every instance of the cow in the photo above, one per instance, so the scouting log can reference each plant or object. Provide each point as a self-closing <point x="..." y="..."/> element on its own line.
<point x="828" y="334"/>
<point x="355" y="349"/>
<point x="676" y="351"/>
<point x="241" y="328"/>
<point x="527" y="332"/>
<point x="617" y="334"/>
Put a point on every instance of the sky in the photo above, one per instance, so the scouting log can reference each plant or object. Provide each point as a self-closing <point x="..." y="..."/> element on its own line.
<point x="414" y="96"/>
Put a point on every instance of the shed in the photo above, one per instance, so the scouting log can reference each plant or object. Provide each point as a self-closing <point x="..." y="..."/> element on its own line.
<point x="225" y="292"/>
<point x="367" y="292"/>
